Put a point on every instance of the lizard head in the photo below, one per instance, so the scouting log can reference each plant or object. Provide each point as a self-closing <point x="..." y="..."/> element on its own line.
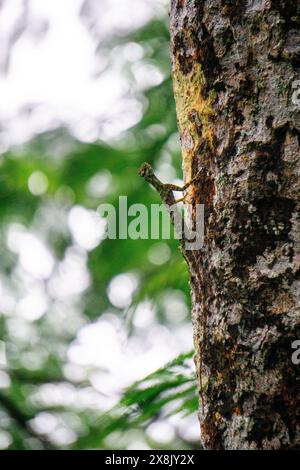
<point x="146" y="171"/>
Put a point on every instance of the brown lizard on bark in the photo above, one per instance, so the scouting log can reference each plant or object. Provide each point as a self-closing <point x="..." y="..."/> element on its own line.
<point x="165" y="190"/>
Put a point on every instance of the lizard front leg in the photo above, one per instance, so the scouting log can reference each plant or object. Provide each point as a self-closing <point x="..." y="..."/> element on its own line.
<point x="174" y="187"/>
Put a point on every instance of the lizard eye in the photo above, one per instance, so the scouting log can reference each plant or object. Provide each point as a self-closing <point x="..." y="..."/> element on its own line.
<point x="143" y="170"/>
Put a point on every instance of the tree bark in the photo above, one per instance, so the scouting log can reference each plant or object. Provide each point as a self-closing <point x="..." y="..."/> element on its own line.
<point x="235" y="64"/>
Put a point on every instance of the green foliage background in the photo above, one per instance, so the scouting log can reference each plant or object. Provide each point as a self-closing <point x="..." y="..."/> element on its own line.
<point x="69" y="166"/>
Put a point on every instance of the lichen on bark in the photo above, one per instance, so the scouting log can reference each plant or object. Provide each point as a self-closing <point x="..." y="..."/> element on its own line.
<point x="235" y="64"/>
<point x="193" y="112"/>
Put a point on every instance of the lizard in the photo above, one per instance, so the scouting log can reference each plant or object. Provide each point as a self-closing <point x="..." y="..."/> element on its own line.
<point x="165" y="190"/>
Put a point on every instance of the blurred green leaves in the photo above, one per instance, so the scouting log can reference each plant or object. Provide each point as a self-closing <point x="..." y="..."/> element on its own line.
<point x="166" y="392"/>
<point x="40" y="184"/>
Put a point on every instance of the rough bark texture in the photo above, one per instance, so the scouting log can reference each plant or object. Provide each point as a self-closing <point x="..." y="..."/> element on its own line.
<point x="234" y="66"/>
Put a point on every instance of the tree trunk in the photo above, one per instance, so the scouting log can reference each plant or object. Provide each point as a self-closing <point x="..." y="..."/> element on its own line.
<point x="235" y="71"/>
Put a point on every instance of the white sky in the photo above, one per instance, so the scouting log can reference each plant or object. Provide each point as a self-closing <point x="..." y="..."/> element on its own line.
<point x="57" y="70"/>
